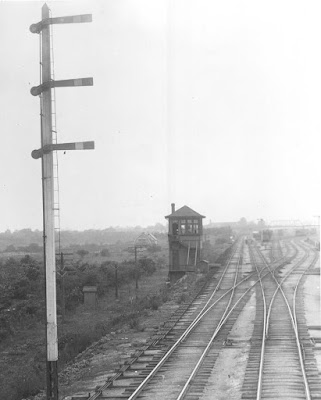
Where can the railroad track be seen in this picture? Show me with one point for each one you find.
(155, 369)
(277, 366)
(179, 361)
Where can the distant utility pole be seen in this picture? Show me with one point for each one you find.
(62, 273)
(142, 241)
(45, 153)
(116, 280)
(136, 268)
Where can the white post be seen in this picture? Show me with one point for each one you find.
(48, 198)
(48, 217)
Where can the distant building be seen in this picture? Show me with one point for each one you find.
(90, 296)
(145, 239)
(185, 235)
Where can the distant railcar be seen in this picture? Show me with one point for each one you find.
(266, 235)
(256, 235)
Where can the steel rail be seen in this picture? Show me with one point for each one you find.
(316, 256)
(97, 394)
(204, 354)
(201, 314)
(183, 392)
(197, 319)
(260, 380)
(279, 284)
(221, 323)
(264, 337)
(295, 328)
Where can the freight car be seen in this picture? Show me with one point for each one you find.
(256, 235)
(266, 235)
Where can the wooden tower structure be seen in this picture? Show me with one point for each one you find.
(185, 233)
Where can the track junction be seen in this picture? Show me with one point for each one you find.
(180, 362)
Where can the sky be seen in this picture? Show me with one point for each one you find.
(206, 103)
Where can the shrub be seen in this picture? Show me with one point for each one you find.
(28, 383)
(5, 327)
(105, 253)
(30, 307)
(12, 262)
(221, 240)
(5, 302)
(155, 302)
(32, 273)
(101, 329)
(73, 298)
(74, 343)
(91, 278)
(182, 298)
(134, 323)
(10, 249)
(21, 288)
(27, 260)
(82, 253)
(148, 265)
(34, 248)
(154, 249)
(4, 334)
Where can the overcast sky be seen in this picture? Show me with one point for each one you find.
(213, 104)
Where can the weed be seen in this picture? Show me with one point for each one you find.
(101, 329)
(134, 323)
(182, 298)
(73, 344)
(28, 383)
(155, 302)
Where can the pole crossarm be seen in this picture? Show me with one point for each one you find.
(38, 27)
(36, 90)
(62, 146)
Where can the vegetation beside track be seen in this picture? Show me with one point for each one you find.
(22, 308)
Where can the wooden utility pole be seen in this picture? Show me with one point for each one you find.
(62, 275)
(116, 280)
(136, 269)
(48, 218)
(45, 153)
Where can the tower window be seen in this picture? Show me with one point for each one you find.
(175, 228)
(183, 226)
(195, 227)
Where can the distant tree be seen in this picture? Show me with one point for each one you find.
(32, 273)
(154, 249)
(221, 240)
(82, 253)
(91, 278)
(10, 249)
(34, 248)
(243, 221)
(27, 260)
(12, 262)
(21, 288)
(148, 265)
(261, 223)
(105, 253)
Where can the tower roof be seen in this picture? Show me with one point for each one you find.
(185, 211)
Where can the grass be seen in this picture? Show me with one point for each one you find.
(82, 328)
(25, 351)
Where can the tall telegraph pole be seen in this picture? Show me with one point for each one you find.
(48, 217)
(46, 154)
